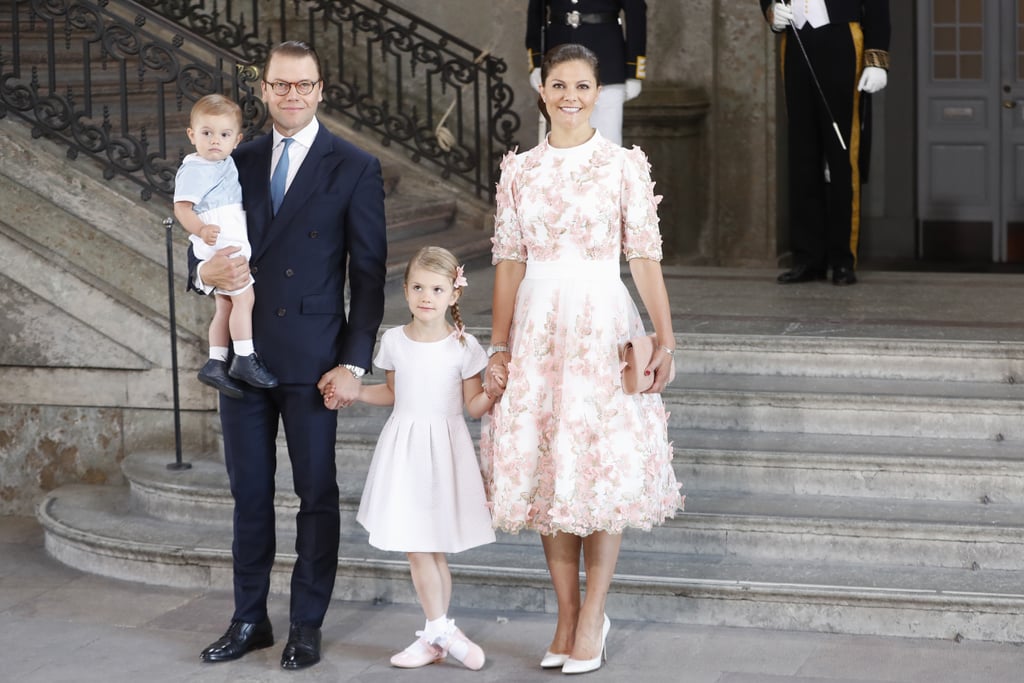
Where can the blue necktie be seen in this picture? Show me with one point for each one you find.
(280, 177)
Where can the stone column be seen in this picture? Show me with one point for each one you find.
(667, 122)
(743, 136)
(725, 49)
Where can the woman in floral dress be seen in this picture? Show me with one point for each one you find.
(565, 451)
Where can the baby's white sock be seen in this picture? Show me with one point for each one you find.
(244, 347)
(219, 353)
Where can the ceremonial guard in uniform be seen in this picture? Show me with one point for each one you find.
(833, 51)
(614, 30)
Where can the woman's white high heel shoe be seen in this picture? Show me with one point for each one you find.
(553, 660)
(582, 666)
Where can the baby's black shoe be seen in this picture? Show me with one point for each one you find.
(251, 370)
(215, 374)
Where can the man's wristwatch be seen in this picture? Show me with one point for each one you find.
(356, 371)
(496, 348)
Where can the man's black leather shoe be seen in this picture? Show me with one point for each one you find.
(843, 276)
(303, 648)
(240, 638)
(801, 274)
(215, 374)
(251, 370)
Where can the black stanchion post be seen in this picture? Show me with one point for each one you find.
(177, 464)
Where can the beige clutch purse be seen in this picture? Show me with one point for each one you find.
(635, 354)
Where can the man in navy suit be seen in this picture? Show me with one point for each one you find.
(330, 219)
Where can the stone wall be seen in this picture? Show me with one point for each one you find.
(85, 355)
(712, 62)
(43, 447)
(85, 372)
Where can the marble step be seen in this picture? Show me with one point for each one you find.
(905, 393)
(792, 463)
(96, 529)
(411, 217)
(870, 467)
(965, 412)
(467, 242)
(71, 245)
(830, 405)
(850, 357)
(716, 522)
(865, 358)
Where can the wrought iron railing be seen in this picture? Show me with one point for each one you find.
(114, 83)
(404, 79)
(115, 80)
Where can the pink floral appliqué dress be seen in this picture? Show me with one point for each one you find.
(565, 450)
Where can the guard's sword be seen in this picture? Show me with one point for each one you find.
(814, 77)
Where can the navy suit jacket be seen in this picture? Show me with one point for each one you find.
(331, 219)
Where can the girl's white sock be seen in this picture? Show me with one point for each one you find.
(219, 353)
(436, 629)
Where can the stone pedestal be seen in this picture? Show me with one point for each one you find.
(667, 122)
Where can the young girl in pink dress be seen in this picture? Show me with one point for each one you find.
(424, 494)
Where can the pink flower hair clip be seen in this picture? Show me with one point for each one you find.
(460, 278)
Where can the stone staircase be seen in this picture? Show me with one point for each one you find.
(840, 485)
(85, 355)
(871, 486)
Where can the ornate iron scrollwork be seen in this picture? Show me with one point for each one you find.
(112, 84)
(386, 70)
(118, 78)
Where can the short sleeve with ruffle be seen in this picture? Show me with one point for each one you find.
(385, 356)
(474, 358)
(508, 244)
(641, 237)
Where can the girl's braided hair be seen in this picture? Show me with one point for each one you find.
(441, 261)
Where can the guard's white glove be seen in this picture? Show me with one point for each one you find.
(633, 87)
(873, 79)
(781, 15)
(535, 79)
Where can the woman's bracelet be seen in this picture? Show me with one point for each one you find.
(667, 350)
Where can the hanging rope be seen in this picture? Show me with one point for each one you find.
(445, 137)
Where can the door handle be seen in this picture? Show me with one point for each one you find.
(1009, 104)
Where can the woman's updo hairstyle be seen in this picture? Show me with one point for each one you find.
(560, 54)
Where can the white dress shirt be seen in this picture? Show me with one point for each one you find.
(297, 151)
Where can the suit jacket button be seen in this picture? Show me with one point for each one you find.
(313, 234)
(281, 312)
(254, 269)
(289, 272)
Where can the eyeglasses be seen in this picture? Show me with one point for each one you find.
(282, 88)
